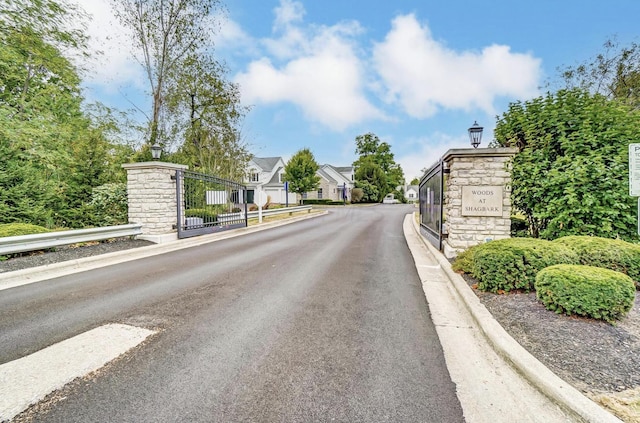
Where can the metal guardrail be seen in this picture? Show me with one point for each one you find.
(23, 243)
(275, 212)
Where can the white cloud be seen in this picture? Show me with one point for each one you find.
(321, 71)
(115, 66)
(423, 75)
(426, 151)
(288, 13)
(232, 36)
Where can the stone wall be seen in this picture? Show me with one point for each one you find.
(477, 197)
(151, 193)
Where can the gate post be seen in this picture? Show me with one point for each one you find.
(477, 197)
(151, 195)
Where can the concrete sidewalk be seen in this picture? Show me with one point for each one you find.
(497, 379)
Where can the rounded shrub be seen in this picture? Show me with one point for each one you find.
(513, 263)
(586, 291)
(18, 229)
(464, 261)
(613, 254)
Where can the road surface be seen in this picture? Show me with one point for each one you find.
(318, 321)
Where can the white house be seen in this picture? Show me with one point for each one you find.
(334, 183)
(411, 193)
(267, 172)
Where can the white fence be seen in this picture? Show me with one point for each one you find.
(275, 212)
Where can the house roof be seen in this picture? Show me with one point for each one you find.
(342, 169)
(266, 163)
(275, 179)
(413, 187)
(326, 176)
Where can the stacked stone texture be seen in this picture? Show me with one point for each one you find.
(467, 231)
(151, 195)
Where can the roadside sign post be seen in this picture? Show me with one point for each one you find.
(634, 175)
(286, 193)
(262, 201)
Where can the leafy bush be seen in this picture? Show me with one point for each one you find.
(586, 291)
(519, 227)
(357, 194)
(570, 175)
(18, 229)
(613, 254)
(513, 263)
(208, 215)
(464, 261)
(109, 204)
(317, 201)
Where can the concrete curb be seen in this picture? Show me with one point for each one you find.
(56, 270)
(543, 379)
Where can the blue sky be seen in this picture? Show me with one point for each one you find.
(417, 74)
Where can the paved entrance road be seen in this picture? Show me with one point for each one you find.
(318, 321)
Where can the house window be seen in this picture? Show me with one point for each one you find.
(255, 177)
(280, 177)
(304, 195)
(319, 193)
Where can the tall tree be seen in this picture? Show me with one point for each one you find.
(372, 180)
(570, 176)
(371, 150)
(207, 114)
(166, 33)
(300, 172)
(613, 73)
(51, 154)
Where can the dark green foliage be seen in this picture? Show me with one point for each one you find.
(519, 227)
(613, 254)
(464, 261)
(318, 201)
(18, 229)
(586, 291)
(109, 204)
(570, 176)
(376, 171)
(208, 215)
(52, 153)
(300, 172)
(513, 263)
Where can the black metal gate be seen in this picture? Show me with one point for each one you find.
(207, 204)
(431, 204)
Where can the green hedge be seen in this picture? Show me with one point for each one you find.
(613, 254)
(464, 261)
(586, 291)
(207, 215)
(513, 263)
(17, 229)
(317, 201)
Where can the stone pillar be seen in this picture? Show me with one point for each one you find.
(477, 197)
(151, 194)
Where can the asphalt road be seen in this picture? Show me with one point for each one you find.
(318, 321)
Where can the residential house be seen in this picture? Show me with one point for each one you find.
(411, 193)
(268, 173)
(334, 183)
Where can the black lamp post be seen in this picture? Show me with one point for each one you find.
(156, 151)
(475, 134)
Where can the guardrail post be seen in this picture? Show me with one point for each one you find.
(151, 192)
